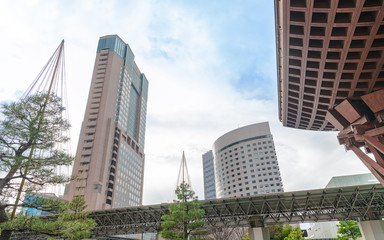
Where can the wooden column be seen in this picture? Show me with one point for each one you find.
(361, 125)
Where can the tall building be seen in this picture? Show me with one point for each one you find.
(209, 176)
(244, 163)
(109, 162)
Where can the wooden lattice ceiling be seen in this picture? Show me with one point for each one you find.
(328, 51)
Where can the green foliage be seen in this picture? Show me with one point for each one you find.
(185, 216)
(295, 234)
(279, 231)
(30, 131)
(72, 223)
(22, 130)
(284, 232)
(348, 229)
(43, 203)
(246, 237)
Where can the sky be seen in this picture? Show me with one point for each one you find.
(211, 67)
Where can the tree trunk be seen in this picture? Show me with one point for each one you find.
(3, 214)
(6, 234)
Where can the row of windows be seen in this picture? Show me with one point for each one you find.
(250, 165)
(254, 181)
(254, 186)
(226, 181)
(257, 192)
(248, 150)
(237, 170)
(250, 162)
(248, 146)
(122, 100)
(82, 171)
(245, 140)
(249, 156)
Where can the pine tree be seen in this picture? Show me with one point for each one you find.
(185, 216)
(28, 141)
(72, 222)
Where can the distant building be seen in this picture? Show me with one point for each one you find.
(352, 180)
(244, 163)
(32, 201)
(328, 230)
(109, 163)
(209, 176)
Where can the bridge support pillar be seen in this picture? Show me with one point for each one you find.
(258, 231)
(372, 230)
(158, 237)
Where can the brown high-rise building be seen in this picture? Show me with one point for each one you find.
(109, 161)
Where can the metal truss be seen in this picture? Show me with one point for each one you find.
(357, 202)
(363, 202)
(129, 220)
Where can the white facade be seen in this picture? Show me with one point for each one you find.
(245, 162)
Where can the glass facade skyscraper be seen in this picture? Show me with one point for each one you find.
(209, 176)
(109, 164)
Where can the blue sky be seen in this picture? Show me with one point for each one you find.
(211, 68)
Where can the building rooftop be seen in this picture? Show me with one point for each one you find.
(352, 180)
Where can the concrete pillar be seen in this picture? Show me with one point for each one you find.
(158, 237)
(258, 231)
(372, 230)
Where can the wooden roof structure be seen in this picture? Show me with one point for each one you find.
(327, 51)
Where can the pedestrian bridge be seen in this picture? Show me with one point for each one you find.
(365, 203)
(358, 202)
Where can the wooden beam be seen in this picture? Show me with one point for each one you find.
(336, 119)
(378, 145)
(378, 155)
(375, 168)
(375, 132)
(375, 100)
(351, 110)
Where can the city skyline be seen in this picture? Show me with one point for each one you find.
(220, 67)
